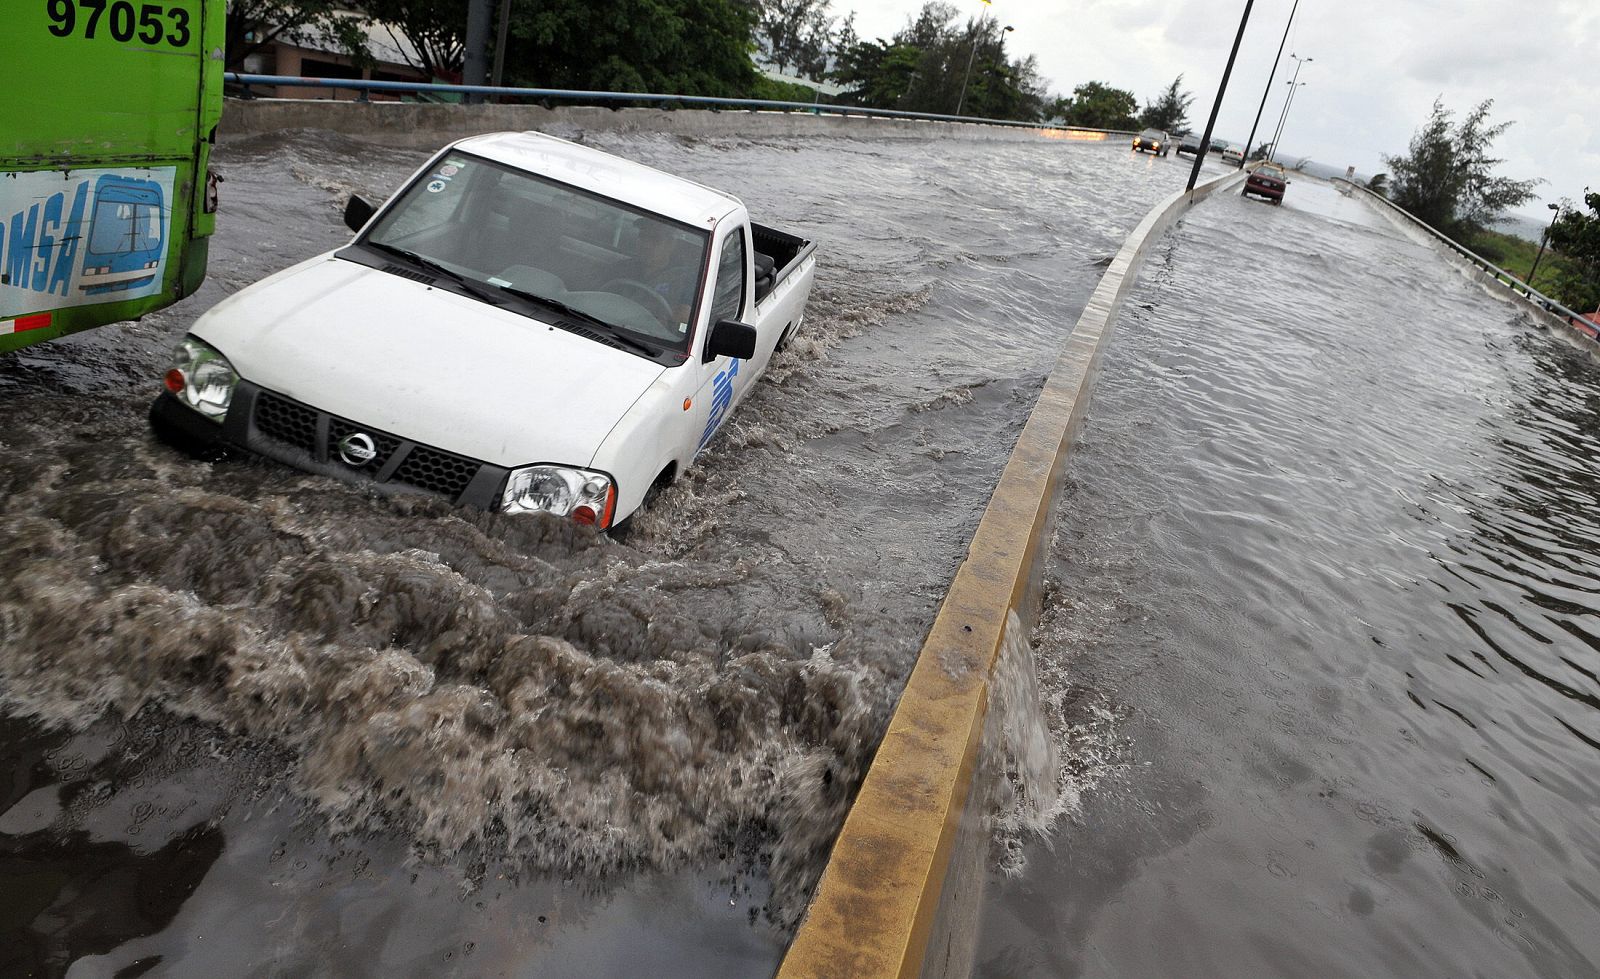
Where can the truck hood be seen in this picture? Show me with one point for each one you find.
(426, 364)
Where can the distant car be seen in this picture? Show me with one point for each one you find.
(1189, 144)
(1267, 182)
(1232, 154)
(1218, 145)
(1152, 141)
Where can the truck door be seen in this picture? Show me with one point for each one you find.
(723, 380)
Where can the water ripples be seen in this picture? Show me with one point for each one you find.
(1358, 635)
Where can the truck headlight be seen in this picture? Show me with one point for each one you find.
(201, 378)
(587, 497)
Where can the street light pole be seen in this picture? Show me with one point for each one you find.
(1545, 238)
(1271, 76)
(475, 70)
(972, 53)
(1288, 104)
(497, 76)
(1300, 62)
(1211, 123)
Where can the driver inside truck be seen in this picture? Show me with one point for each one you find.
(669, 268)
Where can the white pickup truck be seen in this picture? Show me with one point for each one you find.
(528, 325)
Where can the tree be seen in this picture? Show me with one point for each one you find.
(925, 65)
(1446, 177)
(685, 47)
(876, 73)
(1096, 105)
(251, 25)
(1576, 236)
(1170, 111)
(1379, 184)
(436, 29)
(797, 34)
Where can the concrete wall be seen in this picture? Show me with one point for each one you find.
(902, 889)
(421, 126)
(1425, 234)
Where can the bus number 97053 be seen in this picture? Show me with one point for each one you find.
(152, 24)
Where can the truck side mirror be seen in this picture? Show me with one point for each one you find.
(357, 212)
(731, 338)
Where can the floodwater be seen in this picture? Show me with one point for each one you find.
(1327, 571)
(262, 723)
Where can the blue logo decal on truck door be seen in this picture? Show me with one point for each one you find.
(721, 398)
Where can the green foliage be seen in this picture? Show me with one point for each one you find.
(685, 47)
(776, 91)
(926, 66)
(1576, 236)
(1516, 255)
(253, 24)
(1170, 111)
(436, 29)
(1096, 105)
(1446, 177)
(878, 73)
(1379, 184)
(796, 35)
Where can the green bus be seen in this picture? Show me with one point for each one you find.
(106, 200)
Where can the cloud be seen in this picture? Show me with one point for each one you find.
(1474, 59)
(1379, 65)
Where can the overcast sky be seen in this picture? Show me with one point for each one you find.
(1377, 68)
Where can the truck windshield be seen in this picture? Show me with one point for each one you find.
(636, 272)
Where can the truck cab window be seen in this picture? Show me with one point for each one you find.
(729, 298)
(499, 227)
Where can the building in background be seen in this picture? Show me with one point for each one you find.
(313, 54)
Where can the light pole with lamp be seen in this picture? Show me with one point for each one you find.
(973, 53)
(1287, 105)
(1284, 115)
(1268, 90)
(1544, 239)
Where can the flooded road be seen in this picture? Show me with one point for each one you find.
(1324, 624)
(261, 723)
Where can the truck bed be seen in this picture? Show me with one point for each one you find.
(778, 253)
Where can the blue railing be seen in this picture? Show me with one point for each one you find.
(654, 98)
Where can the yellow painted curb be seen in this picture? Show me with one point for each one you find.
(878, 905)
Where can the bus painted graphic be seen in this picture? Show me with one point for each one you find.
(82, 237)
(126, 236)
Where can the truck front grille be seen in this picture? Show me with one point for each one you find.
(397, 461)
(435, 471)
(287, 421)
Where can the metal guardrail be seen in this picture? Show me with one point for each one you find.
(576, 95)
(1507, 279)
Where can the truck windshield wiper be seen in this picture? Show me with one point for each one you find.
(611, 329)
(472, 286)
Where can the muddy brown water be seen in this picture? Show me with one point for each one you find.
(262, 723)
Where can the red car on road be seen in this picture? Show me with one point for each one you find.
(1267, 181)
